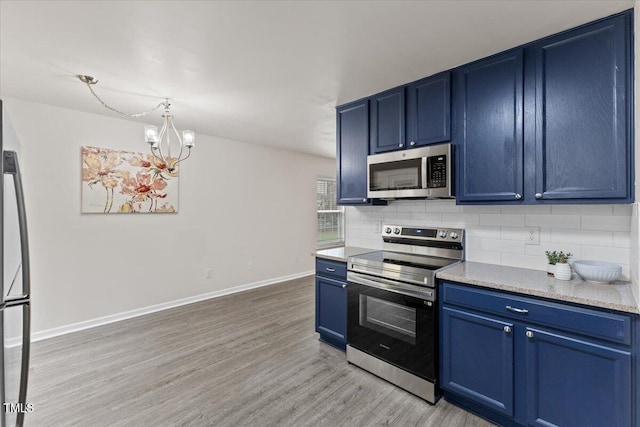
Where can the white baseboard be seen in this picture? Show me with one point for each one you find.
(75, 327)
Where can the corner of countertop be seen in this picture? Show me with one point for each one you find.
(342, 253)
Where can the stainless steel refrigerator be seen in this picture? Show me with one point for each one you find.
(16, 298)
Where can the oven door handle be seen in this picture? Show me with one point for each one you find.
(391, 286)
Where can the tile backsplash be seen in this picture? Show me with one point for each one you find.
(498, 234)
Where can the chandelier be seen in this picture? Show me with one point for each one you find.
(167, 146)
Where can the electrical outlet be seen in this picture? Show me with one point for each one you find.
(532, 236)
(295, 259)
(378, 227)
(208, 273)
(250, 266)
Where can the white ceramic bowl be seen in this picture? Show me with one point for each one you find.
(597, 271)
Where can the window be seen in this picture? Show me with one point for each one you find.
(330, 215)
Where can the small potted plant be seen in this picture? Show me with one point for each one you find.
(553, 258)
(563, 269)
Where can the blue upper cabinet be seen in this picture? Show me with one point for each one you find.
(583, 135)
(550, 122)
(351, 152)
(412, 116)
(489, 129)
(387, 121)
(429, 110)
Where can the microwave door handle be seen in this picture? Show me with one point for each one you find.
(425, 172)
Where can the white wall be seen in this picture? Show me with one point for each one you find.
(239, 203)
(497, 234)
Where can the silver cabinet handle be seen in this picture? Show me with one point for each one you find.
(507, 329)
(330, 269)
(529, 334)
(364, 200)
(400, 145)
(412, 143)
(517, 310)
(538, 195)
(344, 286)
(518, 196)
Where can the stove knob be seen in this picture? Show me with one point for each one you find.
(453, 235)
(387, 230)
(443, 234)
(396, 231)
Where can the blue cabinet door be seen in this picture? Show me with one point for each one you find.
(575, 383)
(429, 110)
(583, 104)
(489, 129)
(331, 310)
(387, 121)
(477, 359)
(351, 152)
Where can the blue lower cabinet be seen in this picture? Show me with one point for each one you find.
(572, 382)
(478, 359)
(331, 311)
(536, 364)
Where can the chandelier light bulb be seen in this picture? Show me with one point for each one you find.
(151, 134)
(188, 138)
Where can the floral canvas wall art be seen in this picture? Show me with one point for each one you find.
(116, 181)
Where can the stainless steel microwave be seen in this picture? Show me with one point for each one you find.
(411, 174)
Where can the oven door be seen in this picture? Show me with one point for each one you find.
(393, 321)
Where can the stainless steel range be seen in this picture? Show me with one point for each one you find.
(392, 319)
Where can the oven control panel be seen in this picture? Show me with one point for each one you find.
(423, 233)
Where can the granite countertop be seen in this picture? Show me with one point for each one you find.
(342, 253)
(615, 296)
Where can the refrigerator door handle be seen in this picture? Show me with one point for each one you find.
(11, 166)
(10, 163)
(24, 365)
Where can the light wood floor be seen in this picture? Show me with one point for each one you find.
(249, 359)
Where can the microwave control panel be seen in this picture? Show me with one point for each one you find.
(437, 171)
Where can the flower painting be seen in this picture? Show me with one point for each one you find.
(126, 182)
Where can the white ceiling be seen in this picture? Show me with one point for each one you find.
(265, 72)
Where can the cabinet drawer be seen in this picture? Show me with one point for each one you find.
(594, 323)
(333, 269)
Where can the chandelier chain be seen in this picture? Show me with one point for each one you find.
(164, 103)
